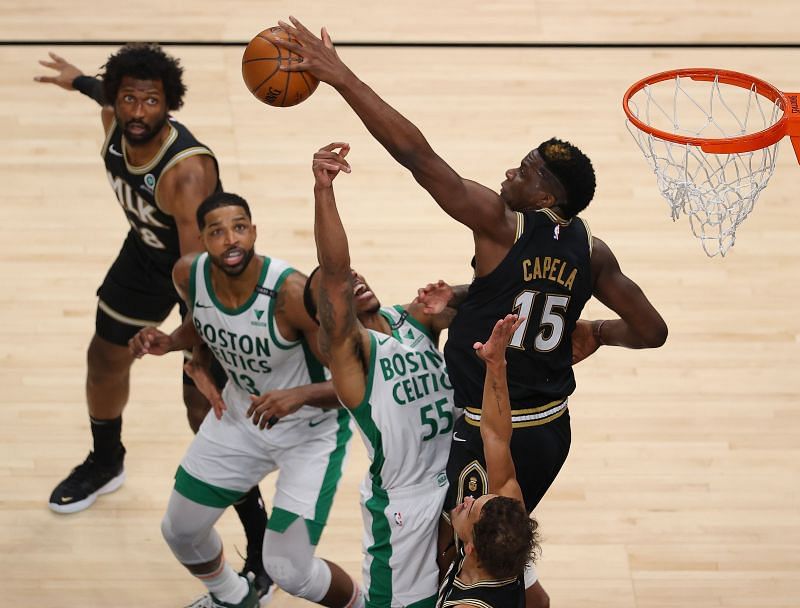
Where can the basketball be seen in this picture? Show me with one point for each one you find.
(261, 71)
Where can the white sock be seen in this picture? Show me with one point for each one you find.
(225, 584)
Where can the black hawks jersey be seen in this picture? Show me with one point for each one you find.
(546, 278)
(136, 187)
(505, 593)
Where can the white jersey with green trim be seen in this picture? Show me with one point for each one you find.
(247, 342)
(406, 417)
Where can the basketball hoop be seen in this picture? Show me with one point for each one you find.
(711, 137)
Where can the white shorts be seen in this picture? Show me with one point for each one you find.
(400, 529)
(229, 456)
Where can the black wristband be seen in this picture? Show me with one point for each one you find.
(91, 87)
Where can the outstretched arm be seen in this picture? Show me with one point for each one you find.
(70, 78)
(468, 202)
(343, 340)
(496, 410)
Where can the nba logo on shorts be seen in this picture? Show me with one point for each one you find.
(398, 519)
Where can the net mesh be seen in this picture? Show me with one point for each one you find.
(716, 191)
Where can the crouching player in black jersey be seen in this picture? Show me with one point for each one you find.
(533, 256)
(160, 174)
(497, 536)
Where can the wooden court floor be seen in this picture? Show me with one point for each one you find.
(683, 484)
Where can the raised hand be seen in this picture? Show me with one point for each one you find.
(434, 297)
(328, 161)
(319, 55)
(493, 351)
(265, 410)
(150, 341)
(66, 72)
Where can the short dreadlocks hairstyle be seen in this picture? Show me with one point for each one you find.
(574, 170)
(217, 200)
(505, 537)
(144, 62)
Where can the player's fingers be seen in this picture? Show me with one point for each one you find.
(57, 58)
(272, 422)
(287, 44)
(50, 79)
(289, 29)
(297, 66)
(326, 38)
(334, 145)
(331, 166)
(300, 27)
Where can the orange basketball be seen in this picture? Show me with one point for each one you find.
(261, 64)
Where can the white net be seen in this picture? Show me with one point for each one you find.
(716, 191)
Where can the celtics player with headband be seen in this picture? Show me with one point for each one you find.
(388, 372)
(248, 310)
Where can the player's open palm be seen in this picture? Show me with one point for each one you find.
(319, 55)
(150, 341)
(328, 162)
(434, 297)
(493, 351)
(66, 72)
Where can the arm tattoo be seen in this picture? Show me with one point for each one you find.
(327, 320)
(498, 395)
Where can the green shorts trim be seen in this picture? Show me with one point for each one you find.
(281, 519)
(204, 493)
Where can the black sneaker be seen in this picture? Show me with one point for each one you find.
(253, 571)
(85, 483)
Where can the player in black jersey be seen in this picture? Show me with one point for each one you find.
(160, 174)
(498, 537)
(532, 256)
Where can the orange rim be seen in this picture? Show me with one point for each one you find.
(725, 145)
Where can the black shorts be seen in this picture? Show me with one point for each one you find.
(538, 453)
(138, 292)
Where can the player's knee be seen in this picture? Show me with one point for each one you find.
(171, 533)
(105, 359)
(181, 536)
(309, 580)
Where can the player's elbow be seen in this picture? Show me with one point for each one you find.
(656, 335)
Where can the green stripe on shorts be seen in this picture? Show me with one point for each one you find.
(204, 493)
(334, 471)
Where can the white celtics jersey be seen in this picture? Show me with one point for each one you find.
(247, 342)
(406, 417)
